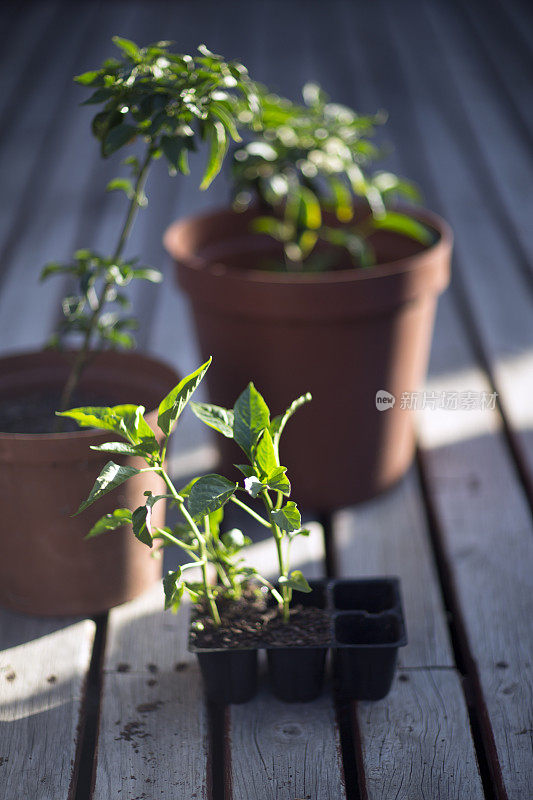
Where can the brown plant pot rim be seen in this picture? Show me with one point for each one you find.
(336, 293)
(152, 376)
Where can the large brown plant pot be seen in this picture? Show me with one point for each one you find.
(46, 566)
(343, 335)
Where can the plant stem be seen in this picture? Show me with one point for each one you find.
(251, 512)
(203, 548)
(82, 355)
(278, 538)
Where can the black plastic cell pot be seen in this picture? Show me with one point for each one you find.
(366, 650)
(296, 673)
(366, 629)
(230, 676)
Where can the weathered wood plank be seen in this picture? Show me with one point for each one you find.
(508, 56)
(50, 193)
(277, 750)
(42, 676)
(487, 542)
(389, 536)
(153, 733)
(25, 169)
(488, 547)
(422, 724)
(283, 751)
(498, 297)
(487, 117)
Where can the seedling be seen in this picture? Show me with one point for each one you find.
(167, 103)
(200, 503)
(314, 157)
(250, 426)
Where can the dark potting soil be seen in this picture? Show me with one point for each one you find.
(249, 623)
(35, 412)
(242, 623)
(308, 626)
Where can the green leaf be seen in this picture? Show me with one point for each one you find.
(218, 142)
(278, 423)
(185, 492)
(227, 120)
(174, 148)
(265, 456)
(209, 494)
(407, 226)
(288, 518)
(110, 522)
(173, 589)
(121, 185)
(251, 417)
(117, 138)
(312, 216)
(343, 199)
(140, 520)
(116, 418)
(300, 532)
(246, 470)
(128, 47)
(146, 274)
(215, 520)
(217, 417)
(174, 403)
(51, 269)
(278, 481)
(87, 78)
(277, 228)
(123, 448)
(111, 476)
(296, 581)
(100, 96)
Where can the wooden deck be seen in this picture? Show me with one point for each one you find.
(112, 708)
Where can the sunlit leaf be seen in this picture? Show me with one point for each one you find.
(110, 522)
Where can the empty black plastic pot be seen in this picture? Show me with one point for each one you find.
(296, 673)
(366, 649)
(229, 676)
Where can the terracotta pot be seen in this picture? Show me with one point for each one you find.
(46, 566)
(344, 335)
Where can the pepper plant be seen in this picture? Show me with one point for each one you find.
(308, 158)
(166, 103)
(200, 503)
(258, 435)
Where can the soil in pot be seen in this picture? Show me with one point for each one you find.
(242, 623)
(296, 650)
(227, 654)
(35, 412)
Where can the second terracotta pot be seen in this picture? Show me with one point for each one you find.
(46, 565)
(346, 336)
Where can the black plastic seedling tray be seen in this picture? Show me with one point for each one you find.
(367, 628)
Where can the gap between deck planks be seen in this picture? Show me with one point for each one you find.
(43, 669)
